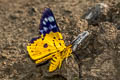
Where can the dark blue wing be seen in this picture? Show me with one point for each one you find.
(48, 22)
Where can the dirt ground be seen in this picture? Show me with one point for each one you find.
(98, 57)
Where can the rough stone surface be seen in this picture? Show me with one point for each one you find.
(97, 58)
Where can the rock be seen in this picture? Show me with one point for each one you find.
(95, 13)
(32, 11)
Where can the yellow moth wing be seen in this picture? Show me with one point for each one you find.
(45, 46)
(54, 62)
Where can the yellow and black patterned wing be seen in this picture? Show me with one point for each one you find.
(50, 40)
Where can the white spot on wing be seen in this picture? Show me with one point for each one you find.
(44, 22)
(46, 19)
(50, 18)
(51, 27)
(54, 26)
(45, 29)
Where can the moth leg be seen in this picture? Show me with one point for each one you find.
(67, 58)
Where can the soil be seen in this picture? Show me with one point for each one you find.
(97, 58)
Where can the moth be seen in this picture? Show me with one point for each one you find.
(49, 45)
